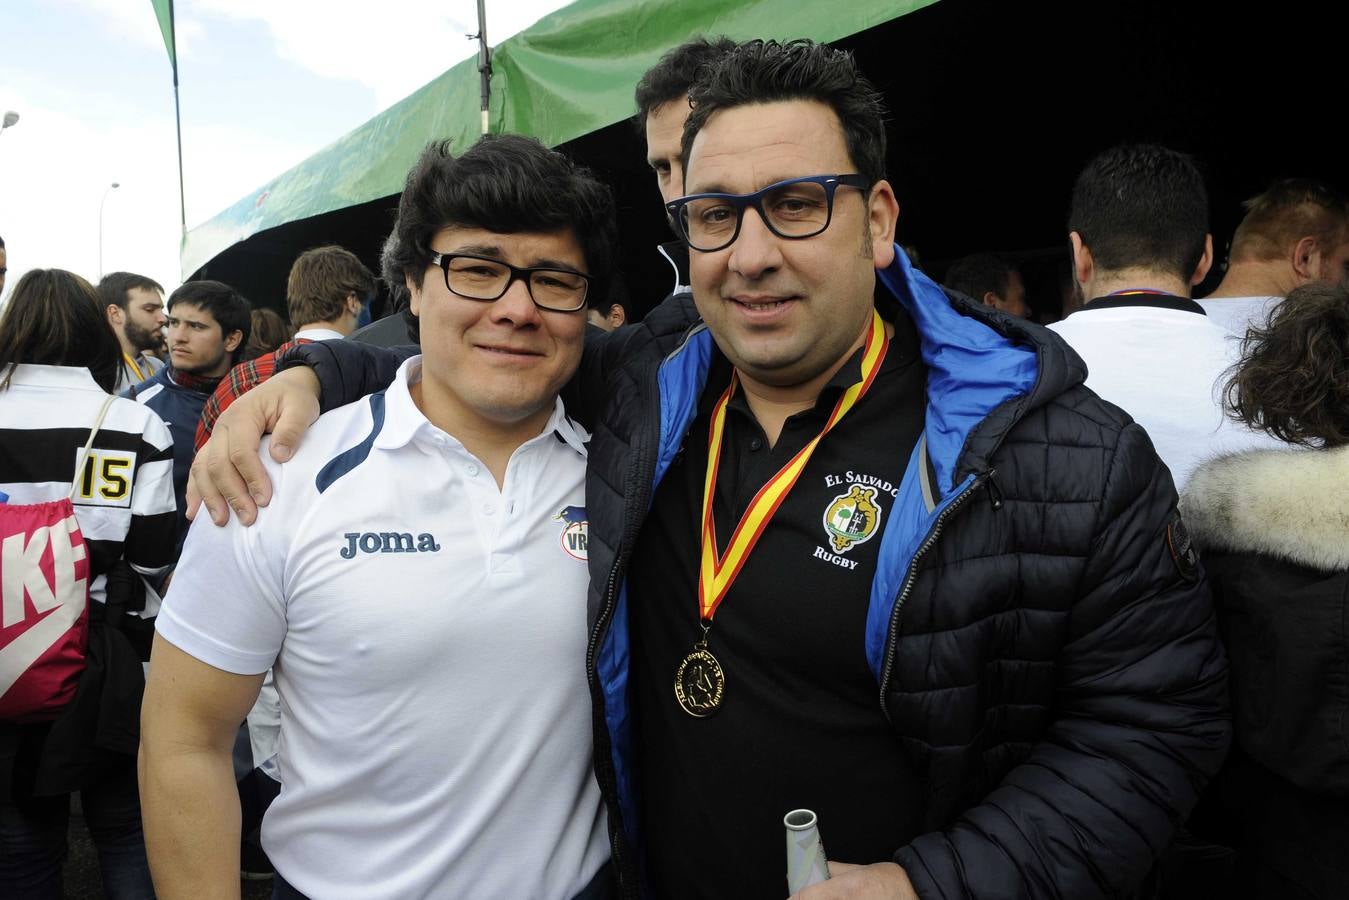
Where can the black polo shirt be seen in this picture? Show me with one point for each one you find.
(800, 723)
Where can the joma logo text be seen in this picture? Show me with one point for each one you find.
(387, 542)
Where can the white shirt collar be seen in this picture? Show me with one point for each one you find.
(55, 376)
(403, 421)
(318, 334)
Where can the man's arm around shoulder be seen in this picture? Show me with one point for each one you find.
(346, 370)
(189, 800)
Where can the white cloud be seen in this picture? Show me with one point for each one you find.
(135, 20)
(53, 220)
(393, 47)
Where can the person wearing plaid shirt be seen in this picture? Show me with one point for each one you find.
(325, 292)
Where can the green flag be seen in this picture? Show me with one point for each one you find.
(164, 12)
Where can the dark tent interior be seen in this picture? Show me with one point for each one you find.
(994, 108)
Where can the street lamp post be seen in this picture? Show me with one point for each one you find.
(108, 191)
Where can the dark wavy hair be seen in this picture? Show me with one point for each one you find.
(770, 72)
(505, 183)
(671, 77)
(1293, 377)
(54, 318)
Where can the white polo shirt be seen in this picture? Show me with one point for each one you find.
(428, 632)
(1163, 362)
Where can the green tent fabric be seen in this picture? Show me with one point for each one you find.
(567, 75)
(164, 13)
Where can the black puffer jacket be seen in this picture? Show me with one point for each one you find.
(1051, 668)
(1274, 530)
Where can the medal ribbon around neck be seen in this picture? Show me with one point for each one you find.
(715, 575)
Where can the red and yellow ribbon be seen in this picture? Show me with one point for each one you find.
(717, 573)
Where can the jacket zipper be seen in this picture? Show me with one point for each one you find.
(892, 638)
(604, 772)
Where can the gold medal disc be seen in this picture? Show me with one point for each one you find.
(699, 683)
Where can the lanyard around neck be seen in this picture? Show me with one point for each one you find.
(716, 573)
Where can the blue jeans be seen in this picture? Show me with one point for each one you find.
(33, 841)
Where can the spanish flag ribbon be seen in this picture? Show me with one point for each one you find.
(717, 573)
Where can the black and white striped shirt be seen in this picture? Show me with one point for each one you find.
(124, 503)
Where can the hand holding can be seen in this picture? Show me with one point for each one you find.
(806, 862)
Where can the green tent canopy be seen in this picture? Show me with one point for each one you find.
(569, 74)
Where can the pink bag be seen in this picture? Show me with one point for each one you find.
(44, 603)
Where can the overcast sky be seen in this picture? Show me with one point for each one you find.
(263, 84)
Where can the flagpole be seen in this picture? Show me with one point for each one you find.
(484, 64)
(178, 121)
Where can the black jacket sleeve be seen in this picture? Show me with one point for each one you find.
(347, 370)
(607, 351)
(1141, 720)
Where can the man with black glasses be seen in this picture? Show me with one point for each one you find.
(426, 655)
(877, 553)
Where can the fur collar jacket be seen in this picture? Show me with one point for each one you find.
(1290, 504)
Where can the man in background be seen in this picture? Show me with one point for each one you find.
(991, 280)
(1294, 233)
(325, 292)
(662, 98)
(208, 324)
(1140, 241)
(135, 309)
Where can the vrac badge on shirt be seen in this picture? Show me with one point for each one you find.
(852, 518)
(573, 531)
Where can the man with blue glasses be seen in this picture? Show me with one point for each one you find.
(874, 552)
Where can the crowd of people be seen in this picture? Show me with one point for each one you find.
(544, 602)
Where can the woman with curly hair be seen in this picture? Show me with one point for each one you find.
(1273, 529)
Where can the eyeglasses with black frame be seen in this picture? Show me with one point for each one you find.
(794, 209)
(484, 278)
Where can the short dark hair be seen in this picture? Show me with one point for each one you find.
(54, 318)
(671, 77)
(979, 273)
(113, 287)
(320, 281)
(505, 183)
(226, 305)
(1142, 205)
(1286, 212)
(1292, 381)
(769, 72)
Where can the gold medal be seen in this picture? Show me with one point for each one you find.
(699, 682)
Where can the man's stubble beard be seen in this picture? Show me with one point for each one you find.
(143, 338)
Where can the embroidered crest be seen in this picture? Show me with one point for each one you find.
(573, 531)
(852, 518)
